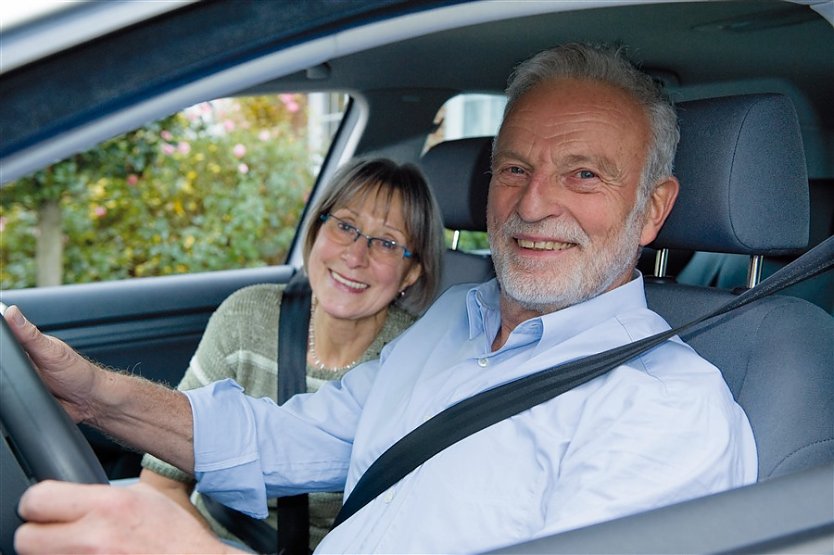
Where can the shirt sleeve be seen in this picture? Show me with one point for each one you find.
(247, 449)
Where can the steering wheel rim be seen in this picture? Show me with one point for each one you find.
(39, 441)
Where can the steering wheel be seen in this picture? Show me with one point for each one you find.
(38, 440)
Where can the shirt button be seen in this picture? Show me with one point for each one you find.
(388, 496)
(482, 362)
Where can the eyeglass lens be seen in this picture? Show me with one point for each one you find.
(346, 233)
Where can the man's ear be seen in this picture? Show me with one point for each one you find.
(657, 210)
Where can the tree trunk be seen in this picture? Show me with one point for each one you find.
(49, 257)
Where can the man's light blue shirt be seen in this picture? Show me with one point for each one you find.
(662, 428)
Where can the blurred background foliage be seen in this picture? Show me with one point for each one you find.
(220, 185)
(469, 241)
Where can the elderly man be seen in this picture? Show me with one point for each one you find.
(581, 180)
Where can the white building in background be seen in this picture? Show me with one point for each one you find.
(466, 115)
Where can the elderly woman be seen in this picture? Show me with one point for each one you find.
(372, 255)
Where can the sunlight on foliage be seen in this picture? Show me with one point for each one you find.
(220, 185)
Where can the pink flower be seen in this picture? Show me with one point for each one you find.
(100, 211)
(228, 125)
(168, 149)
(166, 135)
(184, 147)
(264, 135)
(132, 179)
(243, 168)
(289, 102)
(239, 150)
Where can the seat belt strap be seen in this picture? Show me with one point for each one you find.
(293, 324)
(493, 405)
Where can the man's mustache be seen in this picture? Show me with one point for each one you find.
(561, 229)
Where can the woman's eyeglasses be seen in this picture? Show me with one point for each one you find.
(341, 232)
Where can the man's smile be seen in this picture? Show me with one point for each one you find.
(544, 245)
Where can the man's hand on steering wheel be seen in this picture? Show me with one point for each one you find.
(69, 377)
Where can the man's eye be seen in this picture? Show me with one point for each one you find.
(515, 170)
(586, 174)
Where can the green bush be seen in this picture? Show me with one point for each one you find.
(468, 240)
(217, 186)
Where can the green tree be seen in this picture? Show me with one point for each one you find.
(218, 186)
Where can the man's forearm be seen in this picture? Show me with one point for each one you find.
(146, 416)
(140, 413)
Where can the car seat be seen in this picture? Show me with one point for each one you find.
(458, 172)
(730, 271)
(744, 191)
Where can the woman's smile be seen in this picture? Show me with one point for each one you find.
(351, 284)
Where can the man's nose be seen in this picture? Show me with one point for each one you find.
(540, 199)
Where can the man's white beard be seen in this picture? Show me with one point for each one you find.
(602, 265)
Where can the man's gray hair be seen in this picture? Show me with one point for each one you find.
(608, 65)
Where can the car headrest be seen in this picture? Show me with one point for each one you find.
(458, 172)
(743, 181)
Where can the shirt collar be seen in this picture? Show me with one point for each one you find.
(484, 314)
(482, 307)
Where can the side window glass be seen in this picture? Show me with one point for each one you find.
(219, 185)
(468, 115)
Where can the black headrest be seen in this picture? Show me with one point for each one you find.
(744, 185)
(458, 172)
